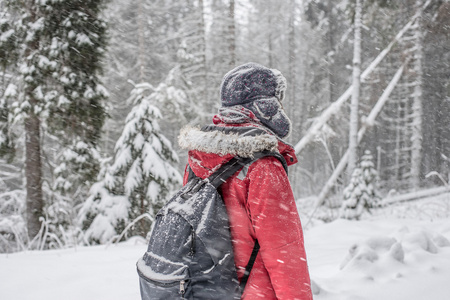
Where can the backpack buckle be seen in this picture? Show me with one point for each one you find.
(194, 187)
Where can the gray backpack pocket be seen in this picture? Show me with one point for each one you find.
(160, 278)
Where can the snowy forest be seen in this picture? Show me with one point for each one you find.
(93, 95)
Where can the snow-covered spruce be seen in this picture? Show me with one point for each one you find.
(52, 51)
(361, 193)
(140, 177)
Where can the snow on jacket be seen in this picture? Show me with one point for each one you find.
(261, 206)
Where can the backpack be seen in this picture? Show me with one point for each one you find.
(190, 254)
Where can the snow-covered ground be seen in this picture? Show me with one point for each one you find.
(380, 259)
(401, 252)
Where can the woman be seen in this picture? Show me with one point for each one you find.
(259, 198)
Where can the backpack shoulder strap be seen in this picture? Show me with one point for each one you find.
(226, 171)
(191, 174)
(249, 267)
(236, 163)
(277, 155)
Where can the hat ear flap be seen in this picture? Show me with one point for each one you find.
(272, 115)
(265, 108)
(281, 97)
(281, 84)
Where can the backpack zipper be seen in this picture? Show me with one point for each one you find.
(182, 288)
(163, 284)
(192, 248)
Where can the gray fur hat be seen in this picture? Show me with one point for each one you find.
(260, 90)
(250, 82)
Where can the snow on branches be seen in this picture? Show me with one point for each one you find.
(141, 175)
(361, 193)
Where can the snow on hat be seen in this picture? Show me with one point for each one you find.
(260, 90)
(250, 82)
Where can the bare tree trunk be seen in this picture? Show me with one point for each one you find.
(141, 62)
(33, 173)
(353, 135)
(331, 48)
(232, 35)
(417, 112)
(202, 32)
(292, 67)
(398, 134)
(270, 41)
(141, 39)
(33, 163)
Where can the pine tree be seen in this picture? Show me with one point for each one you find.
(8, 52)
(78, 44)
(141, 175)
(436, 91)
(103, 215)
(76, 173)
(7, 147)
(58, 56)
(79, 108)
(361, 193)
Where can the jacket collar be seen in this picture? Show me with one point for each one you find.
(231, 140)
(223, 141)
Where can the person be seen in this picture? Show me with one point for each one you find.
(259, 199)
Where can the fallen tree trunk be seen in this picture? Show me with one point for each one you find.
(367, 123)
(335, 106)
(416, 195)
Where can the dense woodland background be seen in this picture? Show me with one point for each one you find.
(94, 93)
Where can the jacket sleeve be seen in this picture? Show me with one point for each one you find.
(277, 227)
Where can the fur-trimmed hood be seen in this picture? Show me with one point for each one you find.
(227, 140)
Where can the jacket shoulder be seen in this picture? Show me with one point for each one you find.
(263, 167)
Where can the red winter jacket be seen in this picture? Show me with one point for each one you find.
(261, 206)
